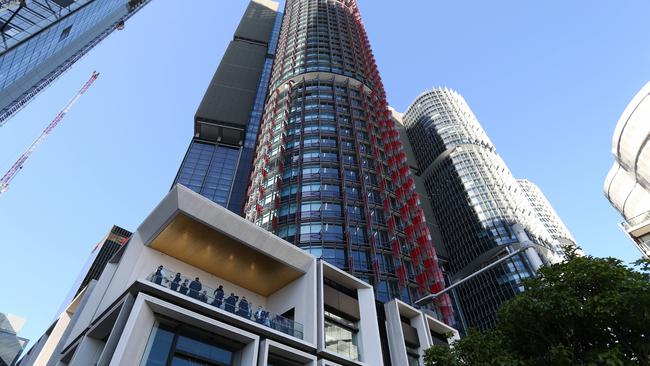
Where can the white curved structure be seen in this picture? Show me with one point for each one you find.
(627, 185)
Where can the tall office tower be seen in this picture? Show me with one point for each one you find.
(482, 213)
(41, 39)
(218, 162)
(11, 345)
(627, 185)
(330, 174)
(547, 215)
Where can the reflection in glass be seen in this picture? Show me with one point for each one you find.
(341, 336)
(176, 344)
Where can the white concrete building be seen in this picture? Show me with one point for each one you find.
(627, 185)
(147, 307)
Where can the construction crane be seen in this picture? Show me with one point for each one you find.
(18, 165)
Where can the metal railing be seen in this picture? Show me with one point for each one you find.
(225, 300)
(636, 220)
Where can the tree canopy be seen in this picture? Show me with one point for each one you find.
(583, 311)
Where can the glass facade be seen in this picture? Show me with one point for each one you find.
(209, 169)
(476, 203)
(279, 361)
(341, 336)
(43, 38)
(238, 198)
(547, 215)
(173, 344)
(226, 184)
(330, 174)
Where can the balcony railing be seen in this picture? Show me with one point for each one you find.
(225, 300)
(635, 221)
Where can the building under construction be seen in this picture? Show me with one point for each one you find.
(41, 39)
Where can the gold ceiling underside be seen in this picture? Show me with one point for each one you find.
(197, 244)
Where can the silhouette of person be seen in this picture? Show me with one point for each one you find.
(218, 296)
(203, 296)
(230, 303)
(158, 276)
(243, 308)
(184, 287)
(259, 315)
(195, 288)
(176, 282)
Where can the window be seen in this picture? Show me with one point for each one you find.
(65, 33)
(358, 235)
(281, 361)
(413, 359)
(176, 344)
(317, 231)
(287, 232)
(287, 209)
(335, 256)
(362, 260)
(64, 3)
(341, 336)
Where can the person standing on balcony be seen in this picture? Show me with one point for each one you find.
(203, 296)
(243, 308)
(230, 302)
(261, 316)
(176, 282)
(195, 288)
(218, 297)
(158, 276)
(184, 287)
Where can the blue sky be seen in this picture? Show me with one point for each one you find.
(547, 79)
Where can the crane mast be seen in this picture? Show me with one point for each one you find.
(18, 165)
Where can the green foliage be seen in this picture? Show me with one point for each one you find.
(584, 311)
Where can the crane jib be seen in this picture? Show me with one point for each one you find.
(18, 165)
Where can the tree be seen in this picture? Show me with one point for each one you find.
(583, 311)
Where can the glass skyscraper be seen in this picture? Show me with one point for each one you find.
(218, 162)
(479, 207)
(41, 39)
(330, 174)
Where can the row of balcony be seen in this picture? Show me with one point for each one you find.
(232, 303)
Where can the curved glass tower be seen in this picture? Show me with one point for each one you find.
(480, 208)
(330, 174)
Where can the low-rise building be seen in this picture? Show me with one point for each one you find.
(198, 285)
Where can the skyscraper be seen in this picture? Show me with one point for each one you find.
(41, 39)
(627, 185)
(546, 213)
(330, 174)
(481, 211)
(218, 162)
